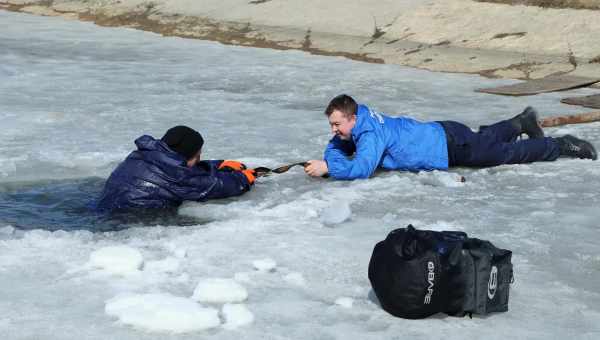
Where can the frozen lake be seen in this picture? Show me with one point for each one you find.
(74, 96)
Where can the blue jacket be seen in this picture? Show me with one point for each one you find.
(392, 143)
(154, 176)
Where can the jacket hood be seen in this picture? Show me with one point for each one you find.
(148, 143)
(364, 122)
(157, 151)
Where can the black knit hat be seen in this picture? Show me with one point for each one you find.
(183, 140)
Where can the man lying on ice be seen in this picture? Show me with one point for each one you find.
(162, 173)
(366, 140)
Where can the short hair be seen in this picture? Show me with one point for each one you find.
(343, 103)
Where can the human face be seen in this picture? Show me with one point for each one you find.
(341, 125)
(194, 160)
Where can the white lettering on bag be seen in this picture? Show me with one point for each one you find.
(493, 282)
(430, 280)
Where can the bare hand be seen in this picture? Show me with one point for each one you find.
(316, 168)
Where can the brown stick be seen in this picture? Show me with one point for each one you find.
(262, 171)
(571, 119)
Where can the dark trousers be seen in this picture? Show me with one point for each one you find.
(494, 145)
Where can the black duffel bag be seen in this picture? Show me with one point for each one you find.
(418, 273)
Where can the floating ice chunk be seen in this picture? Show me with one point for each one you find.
(236, 315)
(345, 302)
(264, 265)
(167, 265)
(295, 279)
(336, 213)
(117, 259)
(162, 313)
(219, 291)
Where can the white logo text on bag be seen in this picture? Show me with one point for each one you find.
(430, 281)
(493, 282)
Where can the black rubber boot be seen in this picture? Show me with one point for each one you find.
(527, 122)
(571, 146)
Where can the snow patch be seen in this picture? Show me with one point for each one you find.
(345, 302)
(162, 313)
(215, 290)
(117, 259)
(264, 265)
(236, 315)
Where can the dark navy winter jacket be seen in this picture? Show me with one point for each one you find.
(392, 143)
(154, 176)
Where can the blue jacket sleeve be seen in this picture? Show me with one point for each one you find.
(211, 183)
(369, 150)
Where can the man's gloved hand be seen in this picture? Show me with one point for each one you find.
(250, 175)
(232, 165)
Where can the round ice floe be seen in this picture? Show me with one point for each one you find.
(345, 302)
(162, 313)
(236, 315)
(337, 212)
(117, 259)
(219, 291)
(264, 265)
(295, 279)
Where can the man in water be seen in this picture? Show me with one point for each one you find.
(365, 140)
(164, 173)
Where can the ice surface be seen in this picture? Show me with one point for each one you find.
(117, 259)
(242, 277)
(442, 178)
(166, 265)
(217, 290)
(74, 96)
(162, 312)
(295, 279)
(236, 315)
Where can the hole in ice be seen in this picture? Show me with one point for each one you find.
(68, 205)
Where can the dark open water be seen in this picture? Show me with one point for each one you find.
(68, 205)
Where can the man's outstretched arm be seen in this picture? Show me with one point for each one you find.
(367, 157)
